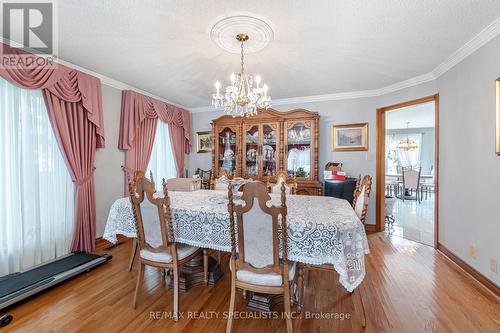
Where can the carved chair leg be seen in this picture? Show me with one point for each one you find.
(358, 306)
(176, 293)
(140, 277)
(133, 254)
(300, 285)
(229, 326)
(205, 266)
(288, 309)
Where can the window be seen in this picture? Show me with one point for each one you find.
(37, 209)
(162, 162)
(397, 158)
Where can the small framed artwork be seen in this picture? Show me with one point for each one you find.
(497, 137)
(350, 137)
(204, 142)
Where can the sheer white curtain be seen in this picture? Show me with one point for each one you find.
(37, 215)
(403, 158)
(162, 162)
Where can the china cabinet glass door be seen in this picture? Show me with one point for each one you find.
(252, 151)
(269, 149)
(299, 149)
(226, 150)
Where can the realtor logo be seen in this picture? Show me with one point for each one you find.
(29, 25)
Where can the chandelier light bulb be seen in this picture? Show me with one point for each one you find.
(217, 86)
(265, 90)
(233, 77)
(257, 80)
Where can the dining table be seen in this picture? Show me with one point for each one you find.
(320, 230)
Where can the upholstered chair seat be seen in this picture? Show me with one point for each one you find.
(265, 279)
(183, 251)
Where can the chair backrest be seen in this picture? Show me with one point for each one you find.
(411, 178)
(257, 231)
(361, 197)
(221, 182)
(183, 184)
(282, 178)
(152, 235)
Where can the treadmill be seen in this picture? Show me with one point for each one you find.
(18, 286)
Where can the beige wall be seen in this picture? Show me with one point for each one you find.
(470, 169)
(109, 181)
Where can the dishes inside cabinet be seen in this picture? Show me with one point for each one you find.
(252, 155)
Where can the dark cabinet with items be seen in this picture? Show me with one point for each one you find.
(342, 189)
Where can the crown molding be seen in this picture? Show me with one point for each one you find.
(479, 40)
(117, 84)
(104, 79)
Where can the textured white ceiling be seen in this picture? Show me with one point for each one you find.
(319, 47)
(419, 116)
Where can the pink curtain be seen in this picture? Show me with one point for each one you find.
(178, 142)
(137, 157)
(74, 105)
(137, 130)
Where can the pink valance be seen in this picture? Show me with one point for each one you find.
(137, 107)
(65, 83)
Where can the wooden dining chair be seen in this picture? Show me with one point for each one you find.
(157, 246)
(411, 182)
(220, 183)
(282, 178)
(255, 257)
(361, 196)
(138, 174)
(205, 177)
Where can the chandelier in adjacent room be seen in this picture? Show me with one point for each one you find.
(407, 143)
(241, 97)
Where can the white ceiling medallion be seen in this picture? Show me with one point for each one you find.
(224, 31)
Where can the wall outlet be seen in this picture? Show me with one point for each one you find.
(472, 251)
(493, 266)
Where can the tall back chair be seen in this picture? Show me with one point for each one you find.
(411, 182)
(205, 176)
(220, 183)
(282, 178)
(255, 258)
(361, 197)
(156, 238)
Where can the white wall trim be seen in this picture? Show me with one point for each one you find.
(117, 84)
(104, 79)
(483, 37)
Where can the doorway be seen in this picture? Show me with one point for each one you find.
(408, 169)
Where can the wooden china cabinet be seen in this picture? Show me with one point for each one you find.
(256, 146)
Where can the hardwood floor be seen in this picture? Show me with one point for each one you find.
(409, 287)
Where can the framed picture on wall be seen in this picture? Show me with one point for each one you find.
(204, 142)
(350, 137)
(497, 87)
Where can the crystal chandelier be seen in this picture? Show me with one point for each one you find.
(407, 143)
(241, 97)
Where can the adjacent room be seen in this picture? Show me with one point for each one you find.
(249, 166)
(410, 159)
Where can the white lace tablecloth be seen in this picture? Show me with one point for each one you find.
(321, 230)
